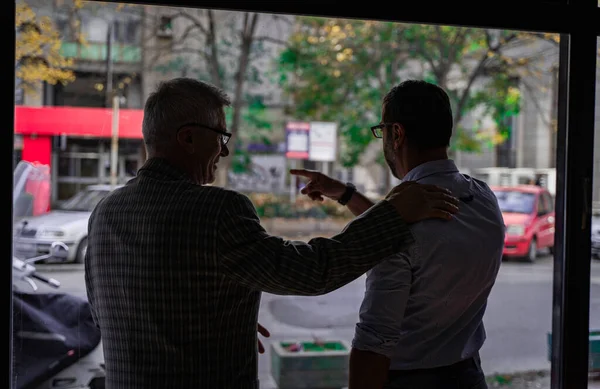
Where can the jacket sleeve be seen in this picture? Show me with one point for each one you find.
(255, 259)
(89, 285)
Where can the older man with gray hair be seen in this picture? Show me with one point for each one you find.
(175, 269)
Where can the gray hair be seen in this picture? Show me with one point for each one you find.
(177, 102)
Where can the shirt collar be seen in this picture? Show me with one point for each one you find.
(160, 168)
(430, 168)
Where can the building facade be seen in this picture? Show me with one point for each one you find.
(129, 50)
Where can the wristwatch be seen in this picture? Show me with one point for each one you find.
(350, 189)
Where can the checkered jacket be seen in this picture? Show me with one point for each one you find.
(174, 272)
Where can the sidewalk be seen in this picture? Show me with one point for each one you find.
(538, 380)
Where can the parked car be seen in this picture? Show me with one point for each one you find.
(68, 224)
(596, 236)
(528, 212)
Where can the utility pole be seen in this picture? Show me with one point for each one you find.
(112, 100)
(109, 66)
(114, 144)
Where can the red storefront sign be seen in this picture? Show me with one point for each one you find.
(75, 121)
(38, 124)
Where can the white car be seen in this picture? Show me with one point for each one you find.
(67, 224)
(596, 236)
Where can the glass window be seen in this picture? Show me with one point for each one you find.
(502, 87)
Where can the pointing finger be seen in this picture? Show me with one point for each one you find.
(303, 173)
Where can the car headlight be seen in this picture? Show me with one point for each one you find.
(51, 233)
(515, 229)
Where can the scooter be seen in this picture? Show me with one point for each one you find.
(56, 343)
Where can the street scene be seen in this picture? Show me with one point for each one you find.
(306, 93)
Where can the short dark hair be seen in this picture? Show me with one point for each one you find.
(424, 110)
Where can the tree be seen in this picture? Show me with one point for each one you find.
(223, 48)
(339, 70)
(38, 57)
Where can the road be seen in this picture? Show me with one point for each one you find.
(517, 320)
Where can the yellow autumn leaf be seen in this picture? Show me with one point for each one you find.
(37, 53)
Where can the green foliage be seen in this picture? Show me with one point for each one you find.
(335, 71)
(257, 128)
(339, 70)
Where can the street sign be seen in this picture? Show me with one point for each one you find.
(297, 140)
(322, 143)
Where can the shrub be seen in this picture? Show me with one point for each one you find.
(272, 206)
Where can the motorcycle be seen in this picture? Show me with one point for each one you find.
(56, 343)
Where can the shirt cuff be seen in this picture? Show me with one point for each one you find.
(366, 339)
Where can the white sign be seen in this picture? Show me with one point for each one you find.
(297, 140)
(323, 141)
(266, 173)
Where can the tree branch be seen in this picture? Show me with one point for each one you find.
(188, 31)
(213, 60)
(195, 21)
(270, 39)
(535, 102)
(465, 93)
(283, 19)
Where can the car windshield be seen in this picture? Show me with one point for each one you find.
(84, 201)
(515, 201)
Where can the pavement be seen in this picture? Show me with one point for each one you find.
(517, 320)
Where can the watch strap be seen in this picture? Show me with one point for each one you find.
(350, 189)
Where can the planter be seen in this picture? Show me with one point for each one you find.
(594, 350)
(321, 365)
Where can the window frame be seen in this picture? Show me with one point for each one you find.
(576, 109)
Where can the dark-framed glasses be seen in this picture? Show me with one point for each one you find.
(225, 136)
(378, 129)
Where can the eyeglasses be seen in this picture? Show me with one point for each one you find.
(225, 136)
(378, 129)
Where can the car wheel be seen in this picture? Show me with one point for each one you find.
(532, 253)
(81, 250)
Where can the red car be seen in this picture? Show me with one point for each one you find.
(528, 212)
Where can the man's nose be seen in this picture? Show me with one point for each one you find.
(224, 150)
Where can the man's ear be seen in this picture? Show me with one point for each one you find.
(398, 135)
(184, 139)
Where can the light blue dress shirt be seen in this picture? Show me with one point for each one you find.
(423, 308)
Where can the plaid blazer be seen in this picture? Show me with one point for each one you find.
(174, 272)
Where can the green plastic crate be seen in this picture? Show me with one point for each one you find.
(594, 350)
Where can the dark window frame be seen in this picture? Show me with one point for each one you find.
(576, 98)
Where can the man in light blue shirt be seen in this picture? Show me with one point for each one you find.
(421, 317)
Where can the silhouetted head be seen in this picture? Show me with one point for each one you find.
(416, 125)
(184, 122)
